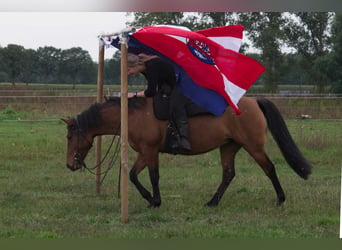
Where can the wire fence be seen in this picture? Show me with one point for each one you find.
(291, 106)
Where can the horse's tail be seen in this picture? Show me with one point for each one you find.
(282, 136)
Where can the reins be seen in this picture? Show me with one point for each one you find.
(110, 163)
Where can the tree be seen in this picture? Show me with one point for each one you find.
(333, 66)
(264, 30)
(112, 68)
(192, 20)
(30, 70)
(14, 63)
(290, 70)
(205, 20)
(155, 18)
(309, 34)
(73, 62)
(47, 61)
(3, 74)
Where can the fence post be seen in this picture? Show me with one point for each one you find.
(99, 100)
(124, 130)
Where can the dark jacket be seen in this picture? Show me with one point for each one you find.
(159, 75)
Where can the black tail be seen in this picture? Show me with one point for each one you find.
(281, 135)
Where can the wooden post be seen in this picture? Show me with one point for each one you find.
(99, 99)
(124, 130)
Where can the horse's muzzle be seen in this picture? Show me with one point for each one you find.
(77, 164)
(72, 167)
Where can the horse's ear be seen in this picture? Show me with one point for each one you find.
(67, 121)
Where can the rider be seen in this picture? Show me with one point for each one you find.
(161, 76)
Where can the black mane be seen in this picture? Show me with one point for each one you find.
(133, 103)
(91, 118)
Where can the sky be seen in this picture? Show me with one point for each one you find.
(62, 30)
(77, 23)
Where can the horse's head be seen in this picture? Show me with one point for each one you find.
(79, 143)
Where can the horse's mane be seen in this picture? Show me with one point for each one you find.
(91, 118)
(133, 103)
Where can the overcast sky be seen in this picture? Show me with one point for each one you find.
(60, 29)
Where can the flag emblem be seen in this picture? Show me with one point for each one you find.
(201, 51)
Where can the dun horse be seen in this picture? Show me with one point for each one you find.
(228, 132)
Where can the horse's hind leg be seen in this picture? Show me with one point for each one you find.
(262, 159)
(228, 152)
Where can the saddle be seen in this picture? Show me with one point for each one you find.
(161, 107)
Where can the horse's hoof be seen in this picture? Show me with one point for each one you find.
(211, 204)
(280, 201)
(154, 205)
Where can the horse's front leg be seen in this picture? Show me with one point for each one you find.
(139, 165)
(154, 177)
(151, 156)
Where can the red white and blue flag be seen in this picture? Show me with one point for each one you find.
(209, 69)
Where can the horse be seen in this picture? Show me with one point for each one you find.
(147, 136)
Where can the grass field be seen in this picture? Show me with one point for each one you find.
(41, 198)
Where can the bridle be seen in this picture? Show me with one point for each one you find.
(80, 133)
(78, 156)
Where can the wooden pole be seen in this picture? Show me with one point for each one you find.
(99, 100)
(124, 131)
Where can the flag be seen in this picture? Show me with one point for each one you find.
(230, 37)
(209, 69)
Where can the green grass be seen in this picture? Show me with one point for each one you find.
(41, 198)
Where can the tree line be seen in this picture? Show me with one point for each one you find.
(46, 65)
(296, 48)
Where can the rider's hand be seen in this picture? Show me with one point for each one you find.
(132, 94)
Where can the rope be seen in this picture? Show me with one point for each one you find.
(111, 162)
